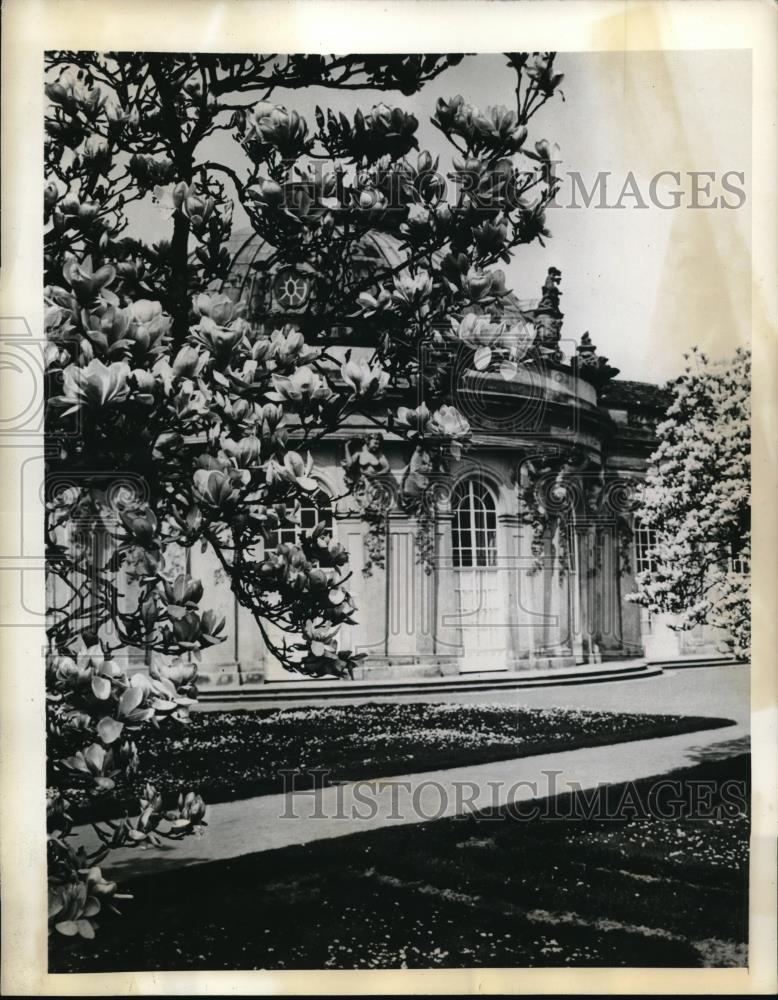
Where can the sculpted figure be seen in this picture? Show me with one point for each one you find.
(417, 473)
(551, 293)
(369, 461)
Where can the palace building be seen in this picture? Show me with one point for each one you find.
(523, 559)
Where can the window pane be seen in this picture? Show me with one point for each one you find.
(644, 539)
(315, 510)
(474, 534)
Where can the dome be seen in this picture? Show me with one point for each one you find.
(377, 247)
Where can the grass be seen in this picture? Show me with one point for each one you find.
(500, 892)
(234, 755)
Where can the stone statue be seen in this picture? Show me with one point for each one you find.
(551, 293)
(416, 476)
(417, 472)
(548, 316)
(369, 461)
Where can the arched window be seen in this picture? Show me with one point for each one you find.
(315, 509)
(474, 526)
(644, 540)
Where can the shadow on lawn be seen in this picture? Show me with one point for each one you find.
(461, 892)
(721, 751)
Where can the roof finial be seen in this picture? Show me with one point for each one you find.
(594, 367)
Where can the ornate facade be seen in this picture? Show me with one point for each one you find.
(523, 558)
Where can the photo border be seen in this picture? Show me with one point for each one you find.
(32, 26)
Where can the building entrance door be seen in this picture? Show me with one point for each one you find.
(481, 596)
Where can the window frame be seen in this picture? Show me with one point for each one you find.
(474, 542)
(643, 541)
(290, 534)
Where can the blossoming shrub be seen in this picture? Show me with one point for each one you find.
(697, 501)
(174, 422)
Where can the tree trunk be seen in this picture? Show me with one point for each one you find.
(179, 279)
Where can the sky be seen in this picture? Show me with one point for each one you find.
(647, 282)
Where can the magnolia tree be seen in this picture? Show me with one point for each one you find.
(697, 501)
(173, 422)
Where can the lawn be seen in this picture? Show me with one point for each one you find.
(624, 891)
(234, 755)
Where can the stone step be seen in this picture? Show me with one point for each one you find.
(685, 662)
(486, 681)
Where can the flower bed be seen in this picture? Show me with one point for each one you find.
(233, 755)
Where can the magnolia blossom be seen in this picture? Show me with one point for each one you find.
(495, 127)
(267, 191)
(411, 292)
(294, 469)
(197, 207)
(187, 362)
(215, 488)
(371, 200)
(120, 116)
(183, 590)
(178, 672)
(97, 150)
(419, 224)
(72, 907)
(245, 453)
(539, 68)
(218, 340)
(51, 194)
(476, 331)
(72, 90)
(491, 237)
(416, 419)
(303, 385)
(141, 523)
(383, 132)
(273, 125)
(95, 387)
(187, 199)
(449, 422)
(285, 348)
(500, 125)
(145, 310)
(85, 281)
(95, 765)
(364, 380)
(150, 325)
(483, 286)
(516, 340)
(375, 303)
(219, 308)
(69, 205)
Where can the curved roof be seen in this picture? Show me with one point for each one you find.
(247, 248)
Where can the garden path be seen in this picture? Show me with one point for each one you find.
(269, 822)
